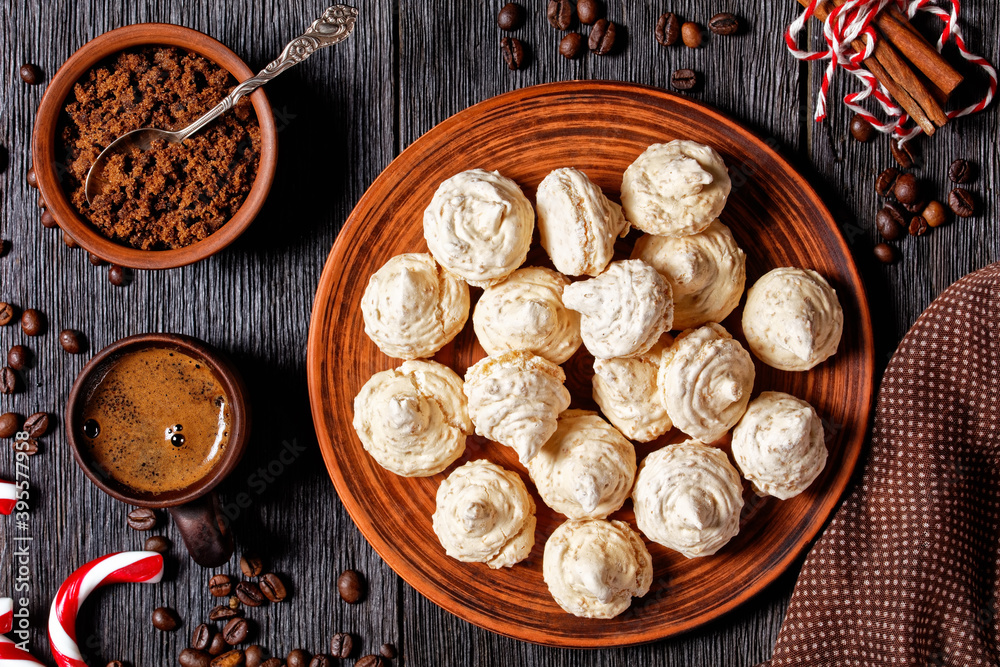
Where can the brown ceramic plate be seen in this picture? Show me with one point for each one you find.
(599, 127)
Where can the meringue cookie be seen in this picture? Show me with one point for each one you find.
(792, 319)
(412, 308)
(526, 312)
(706, 271)
(688, 497)
(675, 189)
(706, 378)
(479, 226)
(779, 445)
(413, 419)
(594, 568)
(586, 469)
(515, 399)
(577, 223)
(628, 393)
(624, 311)
(485, 514)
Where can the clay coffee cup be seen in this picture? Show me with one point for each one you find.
(194, 507)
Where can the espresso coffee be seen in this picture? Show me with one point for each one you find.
(157, 421)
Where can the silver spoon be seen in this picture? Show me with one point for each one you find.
(333, 27)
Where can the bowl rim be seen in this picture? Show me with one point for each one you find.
(224, 370)
(43, 145)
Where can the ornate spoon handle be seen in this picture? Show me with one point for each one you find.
(334, 26)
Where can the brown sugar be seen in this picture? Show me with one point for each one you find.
(172, 195)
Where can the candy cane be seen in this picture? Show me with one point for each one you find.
(140, 567)
(10, 654)
(852, 20)
(8, 496)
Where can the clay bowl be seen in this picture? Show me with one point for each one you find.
(223, 369)
(44, 144)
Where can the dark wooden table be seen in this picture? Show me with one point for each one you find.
(343, 116)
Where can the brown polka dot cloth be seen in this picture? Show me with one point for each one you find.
(907, 572)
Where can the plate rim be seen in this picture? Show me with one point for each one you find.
(331, 273)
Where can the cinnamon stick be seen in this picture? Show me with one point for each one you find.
(889, 71)
(915, 47)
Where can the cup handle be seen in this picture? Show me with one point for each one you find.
(206, 535)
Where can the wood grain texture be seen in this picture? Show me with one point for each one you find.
(599, 128)
(344, 115)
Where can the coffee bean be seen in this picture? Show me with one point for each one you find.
(571, 46)
(191, 657)
(6, 313)
(388, 651)
(724, 23)
(918, 226)
(218, 646)
(962, 203)
(236, 631)
(341, 645)
(142, 519)
(72, 341)
(32, 322)
(602, 37)
(370, 661)
(115, 663)
(231, 659)
(916, 206)
(885, 253)
(18, 357)
(10, 424)
(935, 214)
(234, 602)
(37, 424)
(560, 15)
(220, 585)
(351, 586)
(48, 220)
(297, 658)
(889, 223)
(906, 189)
(273, 587)
(511, 16)
(691, 34)
(201, 638)
(255, 655)
(321, 660)
(684, 79)
(251, 565)
(903, 154)
(224, 613)
(272, 662)
(513, 52)
(249, 594)
(885, 181)
(28, 447)
(961, 171)
(30, 74)
(861, 129)
(118, 275)
(668, 29)
(165, 618)
(8, 381)
(589, 11)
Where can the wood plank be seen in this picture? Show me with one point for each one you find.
(253, 300)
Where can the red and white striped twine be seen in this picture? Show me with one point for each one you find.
(852, 21)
